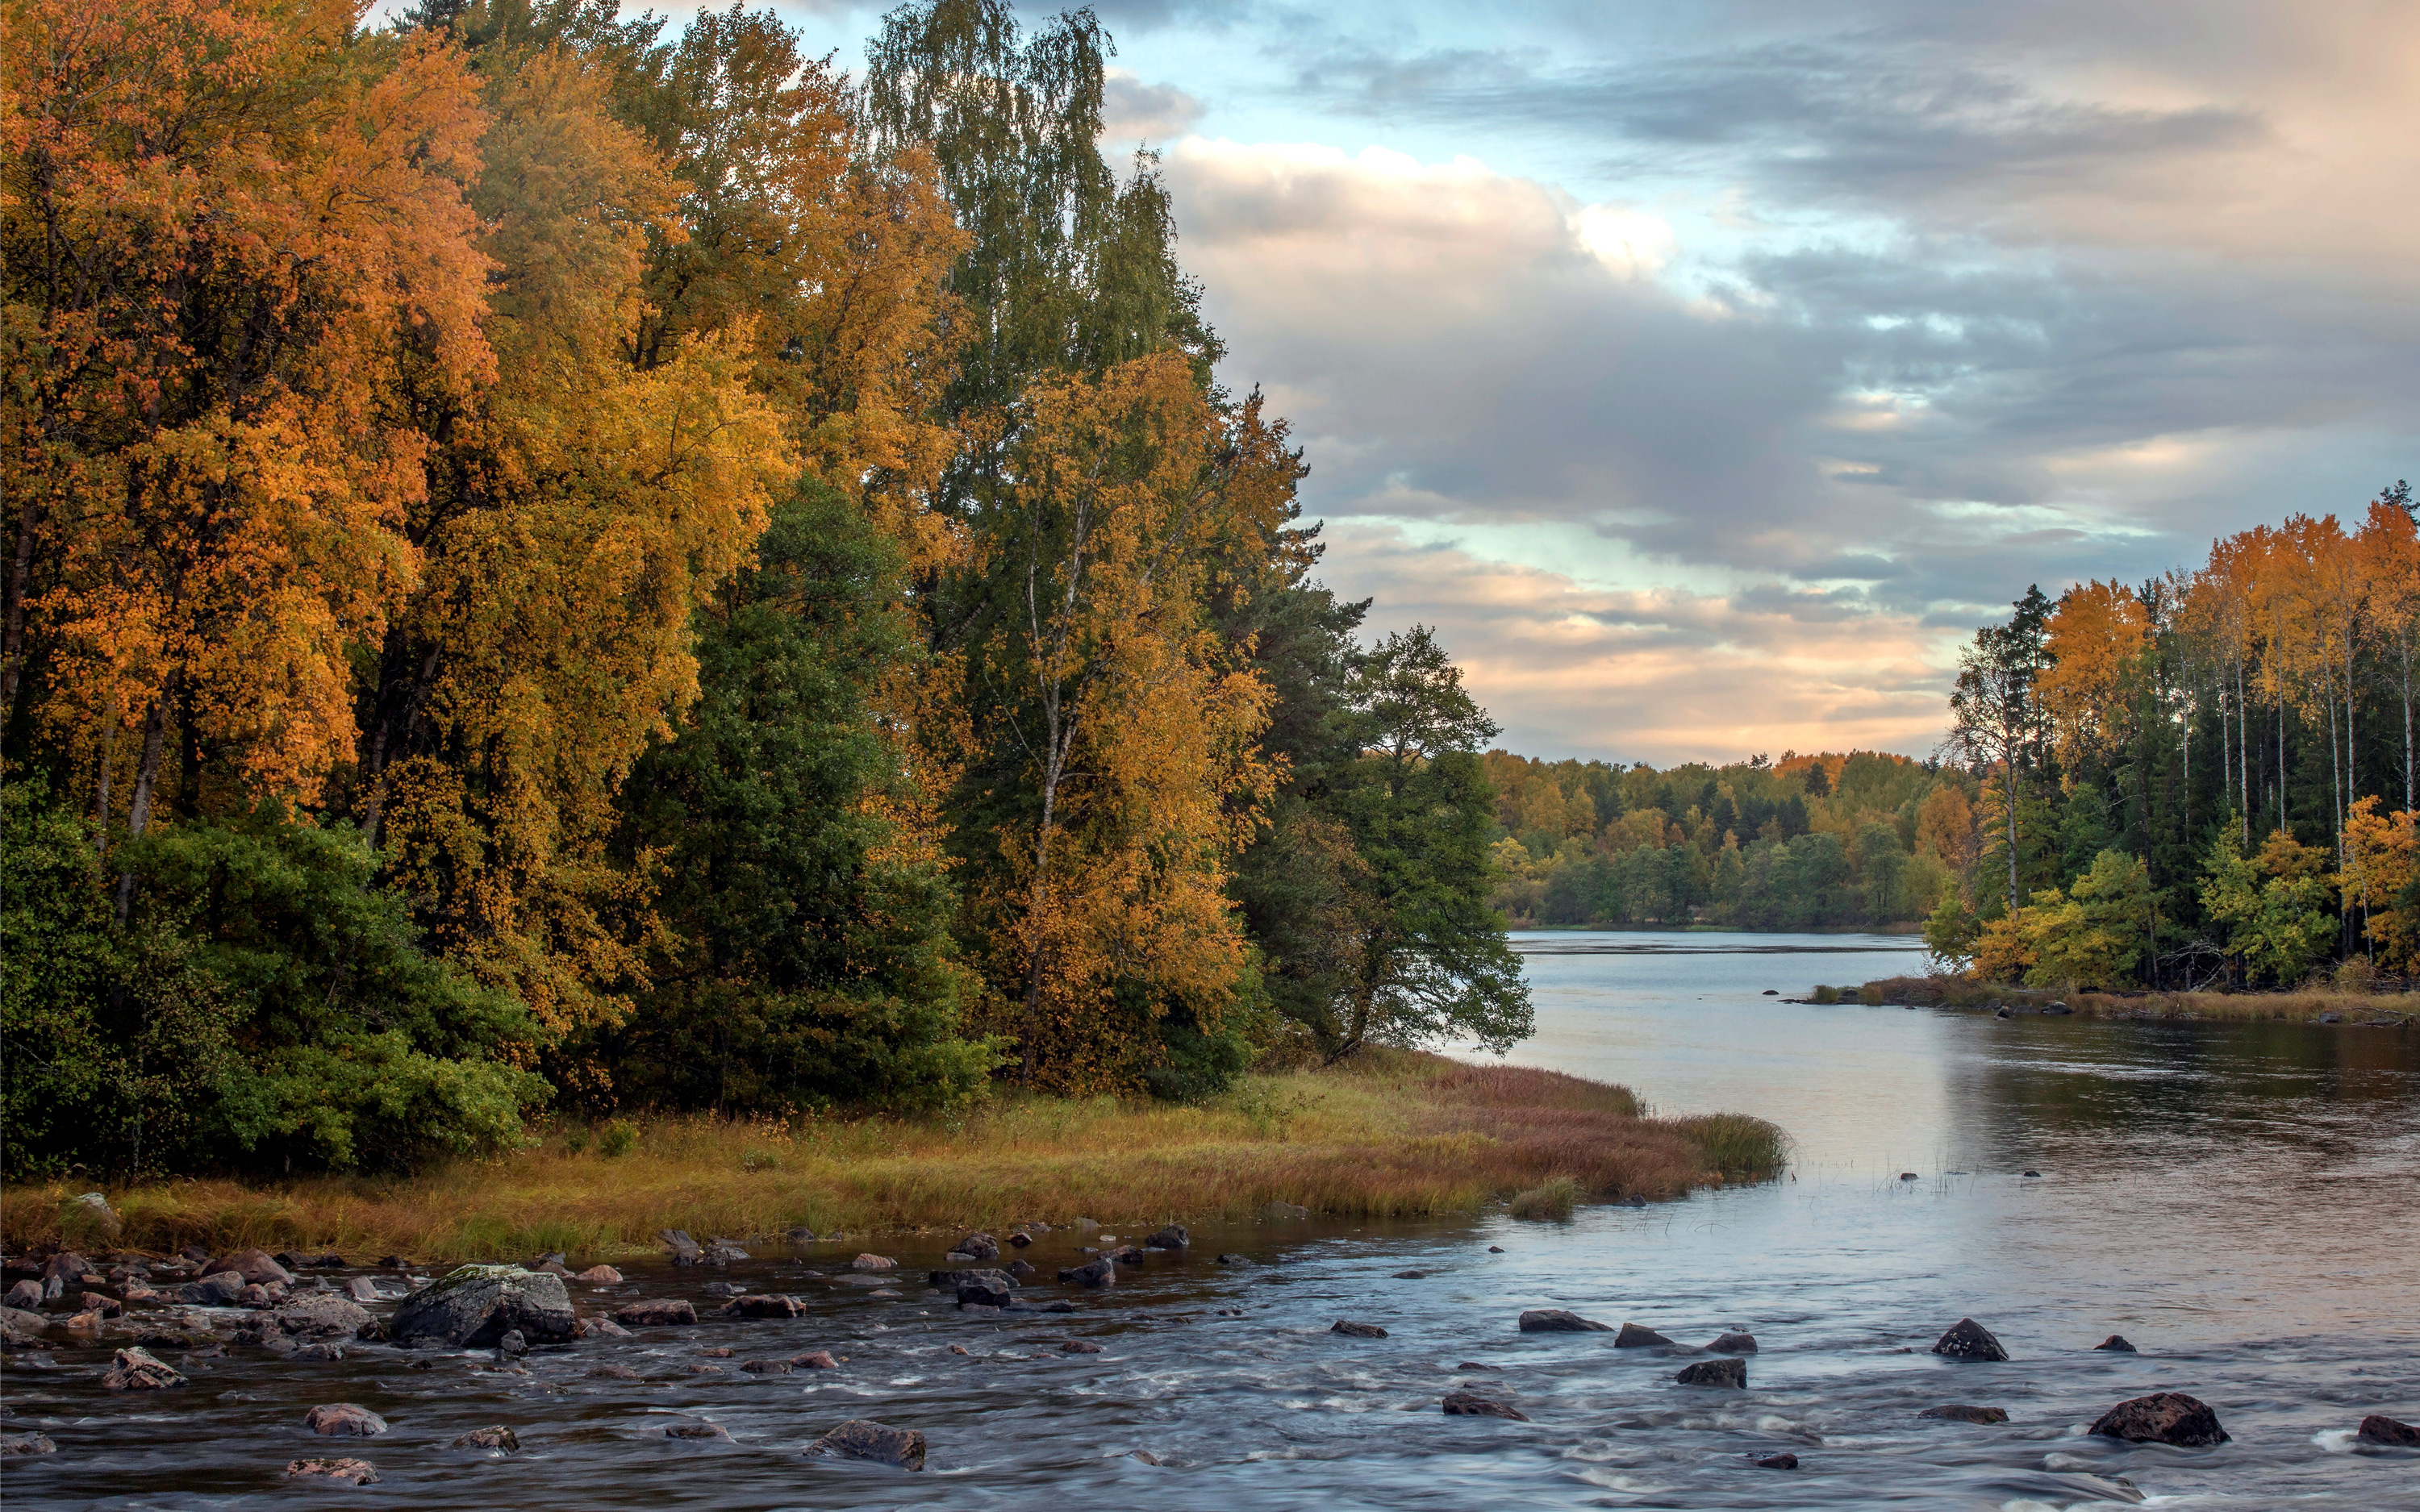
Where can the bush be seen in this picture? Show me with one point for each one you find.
(617, 1139)
(1825, 995)
(1555, 1200)
(1870, 995)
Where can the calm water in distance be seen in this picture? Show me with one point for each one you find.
(2241, 1201)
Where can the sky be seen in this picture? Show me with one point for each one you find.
(1706, 370)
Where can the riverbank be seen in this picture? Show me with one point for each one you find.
(1391, 1134)
(2327, 1005)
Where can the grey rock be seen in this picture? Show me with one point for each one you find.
(599, 1328)
(656, 1313)
(497, 1440)
(952, 1280)
(513, 1344)
(1556, 1320)
(322, 1352)
(978, 1247)
(1019, 1269)
(686, 1251)
(815, 1360)
(220, 1290)
(599, 1275)
(1967, 1339)
(324, 1316)
(476, 1305)
(62, 1270)
(2162, 1417)
(769, 1304)
(344, 1420)
(18, 1445)
(1784, 1461)
(800, 1234)
(992, 1291)
(1078, 1347)
(1956, 1412)
(721, 1288)
(1172, 1237)
(708, 1432)
(1733, 1344)
(355, 1472)
(873, 1262)
(1731, 1373)
(768, 1367)
(1470, 1404)
(1633, 1336)
(1100, 1273)
(1358, 1331)
(135, 1370)
(864, 1439)
(2380, 1428)
(26, 1296)
(255, 1266)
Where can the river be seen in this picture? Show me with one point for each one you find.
(2241, 1201)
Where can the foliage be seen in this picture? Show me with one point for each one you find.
(2273, 906)
(2095, 936)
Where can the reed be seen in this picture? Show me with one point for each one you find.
(2302, 1006)
(1390, 1134)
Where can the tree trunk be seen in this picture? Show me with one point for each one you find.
(12, 638)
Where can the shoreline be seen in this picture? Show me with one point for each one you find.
(1391, 1134)
(2331, 1006)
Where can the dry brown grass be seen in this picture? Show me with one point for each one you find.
(2290, 1007)
(1391, 1134)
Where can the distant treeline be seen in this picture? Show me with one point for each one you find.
(1810, 842)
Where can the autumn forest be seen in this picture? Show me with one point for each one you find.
(558, 565)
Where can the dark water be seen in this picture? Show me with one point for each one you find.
(2241, 1201)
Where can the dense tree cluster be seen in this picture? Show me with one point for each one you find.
(2204, 778)
(549, 562)
(1811, 841)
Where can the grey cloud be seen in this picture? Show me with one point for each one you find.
(1135, 112)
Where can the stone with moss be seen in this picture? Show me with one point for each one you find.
(476, 1305)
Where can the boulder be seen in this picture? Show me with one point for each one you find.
(1126, 1255)
(2378, 1428)
(952, 1280)
(864, 1439)
(318, 1351)
(656, 1313)
(553, 1268)
(1019, 1269)
(353, 1471)
(1358, 1331)
(1785, 1460)
(18, 1445)
(599, 1275)
(26, 1296)
(1284, 1210)
(254, 1295)
(362, 1289)
(344, 1420)
(65, 1268)
(978, 1247)
(324, 1316)
(497, 1440)
(800, 1234)
(979, 1290)
(2117, 1344)
(513, 1344)
(1956, 1413)
(2162, 1417)
(1556, 1320)
(685, 1250)
(872, 1262)
(1078, 1347)
(1172, 1237)
(1733, 1344)
(768, 1368)
(255, 1266)
(1098, 1273)
(1470, 1404)
(19, 1329)
(1635, 1337)
(219, 1290)
(95, 1302)
(723, 1289)
(135, 1370)
(478, 1304)
(1234, 1259)
(815, 1360)
(1969, 1340)
(1731, 1373)
(1020, 1239)
(1409, 1276)
(599, 1328)
(771, 1305)
(709, 1432)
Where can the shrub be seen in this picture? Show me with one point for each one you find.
(617, 1139)
(1825, 995)
(575, 1138)
(1555, 1200)
(1870, 995)
(759, 1160)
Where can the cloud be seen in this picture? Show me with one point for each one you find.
(1133, 111)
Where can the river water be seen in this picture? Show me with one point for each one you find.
(2242, 1202)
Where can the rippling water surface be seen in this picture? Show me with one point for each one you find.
(2241, 1201)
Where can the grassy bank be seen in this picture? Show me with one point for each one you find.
(2291, 1007)
(1389, 1136)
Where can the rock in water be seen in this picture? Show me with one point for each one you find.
(324, 1316)
(2117, 1344)
(1078, 1347)
(815, 1360)
(863, 1438)
(1781, 1462)
(26, 1295)
(478, 1306)
(2162, 1417)
(19, 1444)
(1173, 1237)
(1470, 1404)
(356, 1472)
(771, 1305)
(599, 1275)
(984, 1291)
(344, 1420)
(2378, 1428)
(1969, 1340)
(135, 1370)
(1358, 1331)
(658, 1313)
(872, 1262)
(1100, 1273)
(1733, 1344)
(978, 1247)
(219, 1290)
(1556, 1320)
(497, 1440)
(1956, 1413)
(710, 1432)
(1635, 1337)
(1731, 1373)
(257, 1267)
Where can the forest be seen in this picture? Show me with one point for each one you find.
(2204, 779)
(1810, 842)
(559, 567)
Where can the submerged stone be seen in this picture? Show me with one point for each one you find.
(1557, 1320)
